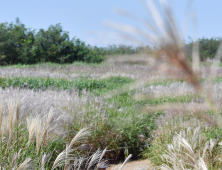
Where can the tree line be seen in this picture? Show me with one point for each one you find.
(21, 45)
(207, 47)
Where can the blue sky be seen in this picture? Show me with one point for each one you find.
(84, 18)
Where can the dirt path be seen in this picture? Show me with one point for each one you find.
(134, 164)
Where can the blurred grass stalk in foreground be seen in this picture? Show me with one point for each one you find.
(169, 59)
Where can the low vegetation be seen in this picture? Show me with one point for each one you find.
(63, 84)
(113, 124)
(81, 115)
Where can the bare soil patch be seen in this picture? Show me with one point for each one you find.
(134, 164)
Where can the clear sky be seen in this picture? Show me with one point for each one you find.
(84, 18)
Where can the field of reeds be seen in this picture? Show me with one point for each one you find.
(41, 114)
(162, 106)
(62, 115)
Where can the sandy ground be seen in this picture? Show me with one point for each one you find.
(134, 164)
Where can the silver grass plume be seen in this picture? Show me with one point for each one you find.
(95, 159)
(66, 155)
(27, 164)
(63, 157)
(44, 159)
(82, 134)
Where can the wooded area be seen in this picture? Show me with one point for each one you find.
(21, 45)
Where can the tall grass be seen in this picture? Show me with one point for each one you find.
(170, 59)
(116, 121)
(112, 123)
(189, 150)
(33, 143)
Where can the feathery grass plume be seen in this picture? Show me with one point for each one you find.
(202, 165)
(172, 122)
(63, 157)
(14, 158)
(17, 112)
(66, 155)
(100, 162)
(95, 159)
(124, 163)
(31, 124)
(179, 158)
(82, 134)
(17, 124)
(27, 164)
(10, 128)
(186, 150)
(39, 129)
(47, 124)
(102, 154)
(49, 118)
(76, 165)
(44, 158)
(5, 127)
(183, 142)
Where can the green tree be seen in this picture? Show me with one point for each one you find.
(19, 44)
(16, 43)
(207, 47)
(52, 44)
